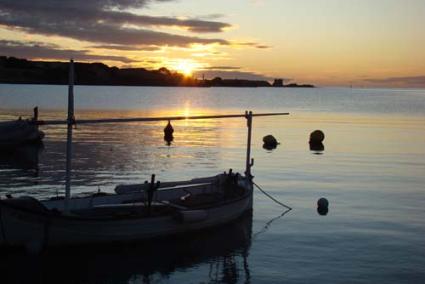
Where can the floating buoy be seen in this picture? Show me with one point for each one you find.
(322, 206)
(317, 147)
(323, 202)
(270, 142)
(168, 133)
(317, 136)
(323, 211)
(316, 139)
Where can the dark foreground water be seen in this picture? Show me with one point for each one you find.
(372, 171)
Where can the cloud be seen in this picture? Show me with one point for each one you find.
(262, 46)
(32, 50)
(105, 22)
(222, 68)
(127, 47)
(250, 44)
(408, 81)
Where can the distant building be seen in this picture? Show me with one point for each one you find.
(278, 83)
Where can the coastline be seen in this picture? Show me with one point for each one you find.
(22, 71)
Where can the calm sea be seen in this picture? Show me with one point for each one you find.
(372, 171)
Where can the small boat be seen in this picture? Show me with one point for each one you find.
(128, 215)
(153, 261)
(20, 132)
(134, 212)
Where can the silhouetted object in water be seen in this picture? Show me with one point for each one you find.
(323, 211)
(19, 132)
(316, 139)
(35, 117)
(317, 136)
(150, 261)
(270, 143)
(322, 202)
(168, 133)
(317, 147)
(151, 190)
(322, 206)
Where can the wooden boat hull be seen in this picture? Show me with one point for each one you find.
(38, 227)
(122, 262)
(19, 132)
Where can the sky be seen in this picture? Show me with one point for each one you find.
(324, 42)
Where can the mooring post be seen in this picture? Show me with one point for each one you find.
(70, 122)
(35, 116)
(248, 116)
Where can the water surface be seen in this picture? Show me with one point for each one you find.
(372, 171)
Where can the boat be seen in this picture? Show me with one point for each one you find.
(134, 212)
(223, 251)
(20, 132)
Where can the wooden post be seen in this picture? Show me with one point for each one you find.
(35, 117)
(248, 116)
(70, 122)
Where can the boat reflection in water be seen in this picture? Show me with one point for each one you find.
(223, 251)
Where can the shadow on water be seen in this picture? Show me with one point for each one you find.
(223, 251)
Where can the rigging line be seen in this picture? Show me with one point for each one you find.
(271, 197)
(151, 119)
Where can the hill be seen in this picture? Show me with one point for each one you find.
(21, 71)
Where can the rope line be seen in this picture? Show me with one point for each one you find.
(271, 197)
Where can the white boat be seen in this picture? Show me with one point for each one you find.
(190, 206)
(133, 212)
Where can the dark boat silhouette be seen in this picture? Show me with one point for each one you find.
(20, 132)
(224, 248)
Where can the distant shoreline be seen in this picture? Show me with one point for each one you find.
(22, 71)
(160, 86)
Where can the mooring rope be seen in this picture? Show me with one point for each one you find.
(271, 197)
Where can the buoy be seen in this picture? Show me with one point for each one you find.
(323, 202)
(270, 142)
(168, 133)
(322, 211)
(317, 147)
(322, 206)
(317, 136)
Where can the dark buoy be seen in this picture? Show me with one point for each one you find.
(270, 142)
(316, 141)
(317, 147)
(168, 133)
(317, 136)
(323, 202)
(322, 206)
(322, 211)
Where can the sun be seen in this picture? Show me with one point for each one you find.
(186, 67)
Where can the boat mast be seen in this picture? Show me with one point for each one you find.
(70, 122)
(249, 161)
